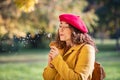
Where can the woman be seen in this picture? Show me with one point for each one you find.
(72, 54)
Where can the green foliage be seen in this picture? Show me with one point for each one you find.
(45, 16)
(109, 12)
(25, 5)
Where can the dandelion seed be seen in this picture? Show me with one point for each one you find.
(49, 35)
(9, 52)
(27, 37)
(23, 39)
(12, 45)
(24, 45)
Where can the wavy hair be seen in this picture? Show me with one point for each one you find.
(77, 37)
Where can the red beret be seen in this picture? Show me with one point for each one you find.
(75, 21)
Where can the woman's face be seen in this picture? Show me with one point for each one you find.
(64, 31)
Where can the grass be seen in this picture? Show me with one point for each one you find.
(21, 71)
(111, 64)
(109, 58)
(29, 65)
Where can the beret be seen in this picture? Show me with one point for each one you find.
(75, 21)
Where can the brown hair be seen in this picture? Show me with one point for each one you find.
(77, 37)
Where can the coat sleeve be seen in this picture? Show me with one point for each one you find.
(83, 68)
(49, 73)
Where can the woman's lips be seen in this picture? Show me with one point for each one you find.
(61, 34)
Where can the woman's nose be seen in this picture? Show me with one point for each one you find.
(61, 29)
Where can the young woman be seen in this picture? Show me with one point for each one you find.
(72, 54)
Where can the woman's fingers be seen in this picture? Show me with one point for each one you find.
(53, 47)
(53, 52)
(50, 54)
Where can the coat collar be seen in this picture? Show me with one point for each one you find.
(74, 48)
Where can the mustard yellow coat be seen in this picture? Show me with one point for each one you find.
(68, 67)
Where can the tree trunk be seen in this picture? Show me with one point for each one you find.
(117, 33)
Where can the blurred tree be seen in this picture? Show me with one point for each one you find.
(71, 6)
(39, 18)
(109, 17)
(25, 5)
(17, 17)
(8, 19)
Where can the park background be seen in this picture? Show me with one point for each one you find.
(28, 26)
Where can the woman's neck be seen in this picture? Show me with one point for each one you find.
(69, 43)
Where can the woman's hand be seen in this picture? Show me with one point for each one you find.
(53, 52)
(49, 60)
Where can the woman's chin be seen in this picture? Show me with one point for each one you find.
(62, 40)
